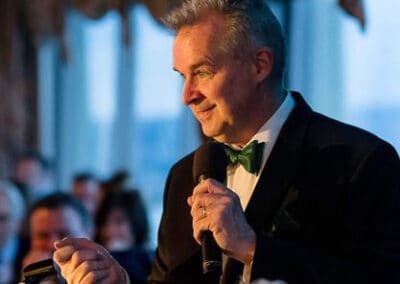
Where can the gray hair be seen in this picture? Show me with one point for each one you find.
(248, 23)
(15, 199)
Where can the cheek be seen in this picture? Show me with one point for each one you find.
(229, 102)
(223, 94)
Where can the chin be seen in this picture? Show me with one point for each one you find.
(213, 133)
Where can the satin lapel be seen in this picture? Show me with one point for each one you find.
(281, 168)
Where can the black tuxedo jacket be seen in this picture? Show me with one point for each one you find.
(326, 209)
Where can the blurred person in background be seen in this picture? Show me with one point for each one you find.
(86, 187)
(33, 176)
(117, 182)
(53, 218)
(12, 246)
(122, 228)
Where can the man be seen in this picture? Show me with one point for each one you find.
(12, 246)
(53, 218)
(32, 176)
(86, 187)
(323, 204)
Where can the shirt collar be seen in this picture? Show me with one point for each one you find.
(271, 128)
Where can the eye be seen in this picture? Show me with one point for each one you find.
(202, 73)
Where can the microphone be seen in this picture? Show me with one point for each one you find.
(210, 162)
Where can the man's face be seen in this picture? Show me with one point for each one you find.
(116, 232)
(218, 88)
(29, 172)
(88, 191)
(49, 225)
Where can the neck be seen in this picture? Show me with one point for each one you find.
(262, 110)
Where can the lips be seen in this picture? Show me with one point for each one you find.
(204, 113)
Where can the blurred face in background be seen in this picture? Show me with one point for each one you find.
(29, 172)
(50, 225)
(116, 232)
(88, 191)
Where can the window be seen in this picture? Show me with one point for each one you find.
(112, 106)
(371, 71)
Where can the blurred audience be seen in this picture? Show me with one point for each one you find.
(52, 218)
(33, 176)
(116, 182)
(122, 228)
(86, 187)
(12, 247)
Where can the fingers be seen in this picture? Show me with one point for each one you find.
(199, 227)
(209, 214)
(217, 209)
(70, 251)
(77, 243)
(67, 246)
(79, 258)
(90, 271)
(209, 188)
(84, 261)
(199, 213)
(98, 277)
(63, 254)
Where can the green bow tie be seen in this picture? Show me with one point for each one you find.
(249, 157)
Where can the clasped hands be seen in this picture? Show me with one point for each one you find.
(216, 208)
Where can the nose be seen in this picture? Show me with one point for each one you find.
(190, 92)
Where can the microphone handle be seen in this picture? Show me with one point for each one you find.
(212, 262)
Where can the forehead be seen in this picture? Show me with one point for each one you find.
(199, 40)
(28, 163)
(51, 219)
(116, 212)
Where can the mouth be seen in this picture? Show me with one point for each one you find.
(203, 114)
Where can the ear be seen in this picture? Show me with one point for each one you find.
(263, 63)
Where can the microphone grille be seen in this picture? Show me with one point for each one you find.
(210, 162)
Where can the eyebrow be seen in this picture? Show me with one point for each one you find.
(202, 63)
(198, 64)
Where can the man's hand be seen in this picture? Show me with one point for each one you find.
(217, 208)
(83, 261)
